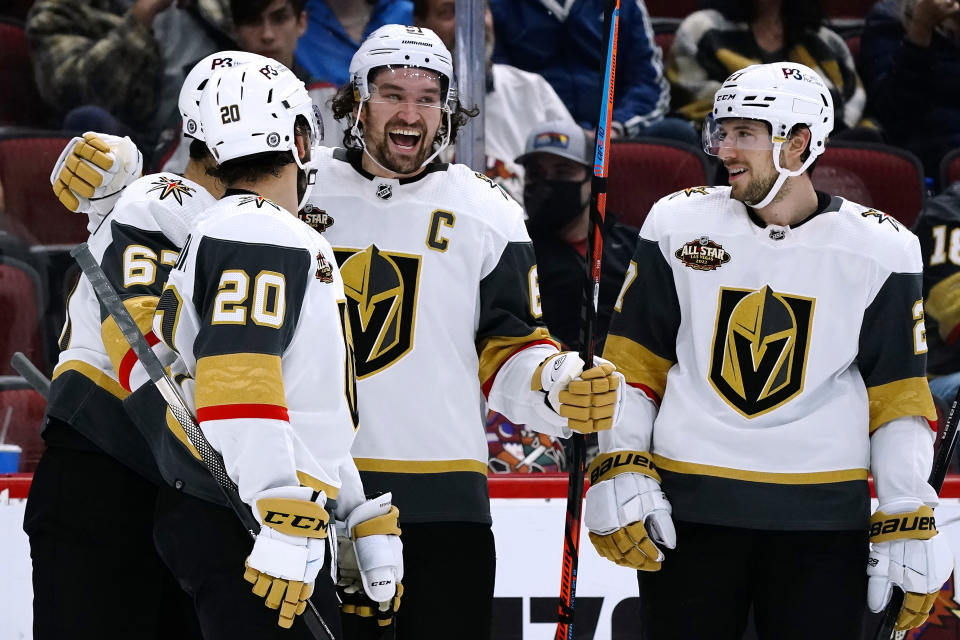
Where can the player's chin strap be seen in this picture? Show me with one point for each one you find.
(782, 178)
(355, 131)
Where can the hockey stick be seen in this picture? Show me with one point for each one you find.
(945, 450)
(30, 373)
(598, 208)
(211, 458)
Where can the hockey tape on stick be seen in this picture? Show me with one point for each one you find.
(946, 446)
(211, 458)
(30, 373)
(598, 206)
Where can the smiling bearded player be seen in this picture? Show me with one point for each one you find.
(441, 287)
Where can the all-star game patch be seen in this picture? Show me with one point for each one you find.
(168, 187)
(702, 254)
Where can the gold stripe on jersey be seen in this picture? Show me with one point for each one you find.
(638, 364)
(96, 376)
(907, 397)
(943, 304)
(420, 466)
(141, 309)
(240, 378)
(308, 480)
(495, 350)
(815, 477)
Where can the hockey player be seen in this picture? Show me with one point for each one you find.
(441, 287)
(96, 461)
(782, 361)
(255, 308)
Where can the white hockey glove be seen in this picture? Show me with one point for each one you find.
(906, 551)
(627, 513)
(583, 401)
(93, 171)
(289, 550)
(371, 560)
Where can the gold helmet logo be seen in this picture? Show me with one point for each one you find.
(381, 290)
(760, 348)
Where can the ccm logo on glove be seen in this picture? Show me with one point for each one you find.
(608, 465)
(294, 517)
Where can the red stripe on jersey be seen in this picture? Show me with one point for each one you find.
(489, 383)
(232, 411)
(647, 390)
(130, 359)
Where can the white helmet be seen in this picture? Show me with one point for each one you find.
(782, 94)
(399, 46)
(251, 109)
(196, 80)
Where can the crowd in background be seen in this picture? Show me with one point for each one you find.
(116, 66)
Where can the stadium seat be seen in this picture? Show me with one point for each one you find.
(950, 169)
(644, 170)
(21, 303)
(847, 8)
(875, 175)
(21, 417)
(32, 211)
(21, 104)
(671, 8)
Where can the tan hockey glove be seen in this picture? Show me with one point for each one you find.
(289, 550)
(93, 171)
(626, 512)
(906, 551)
(584, 401)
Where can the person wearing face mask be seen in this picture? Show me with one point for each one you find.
(556, 193)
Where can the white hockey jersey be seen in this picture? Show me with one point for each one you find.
(255, 308)
(776, 351)
(441, 288)
(136, 246)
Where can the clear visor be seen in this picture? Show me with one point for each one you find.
(734, 133)
(413, 86)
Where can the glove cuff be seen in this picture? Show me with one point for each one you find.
(915, 525)
(609, 465)
(386, 524)
(275, 508)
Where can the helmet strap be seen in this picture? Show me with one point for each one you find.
(782, 178)
(355, 131)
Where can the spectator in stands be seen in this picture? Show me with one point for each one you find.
(116, 66)
(515, 102)
(336, 28)
(729, 35)
(564, 44)
(558, 162)
(910, 59)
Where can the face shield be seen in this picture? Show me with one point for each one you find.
(734, 133)
(308, 166)
(419, 88)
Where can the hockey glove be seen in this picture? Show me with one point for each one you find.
(905, 551)
(627, 513)
(93, 171)
(371, 561)
(289, 550)
(584, 401)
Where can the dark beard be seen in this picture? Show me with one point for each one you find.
(758, 190)
(401, 165)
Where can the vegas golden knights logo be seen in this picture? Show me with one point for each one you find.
(760, 348)
(381, 288)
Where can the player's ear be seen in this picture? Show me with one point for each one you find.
(303, 146)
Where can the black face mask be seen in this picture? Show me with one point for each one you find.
(552, 204)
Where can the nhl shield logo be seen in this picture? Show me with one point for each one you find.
(760, 345)
(384, 191)
(381, 288)
(702, 254)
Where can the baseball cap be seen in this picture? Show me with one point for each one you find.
(564, 138)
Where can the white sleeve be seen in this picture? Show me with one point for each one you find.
(901, 456)
(511, 394)
(634, 431)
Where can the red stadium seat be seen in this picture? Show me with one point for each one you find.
(32, 211)
(645, 169)
(21, 103)
(847, 8)
(671, 8)
(21, 304)
(665, 42)
(21, 417)
(875, 175)
(950, 169)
